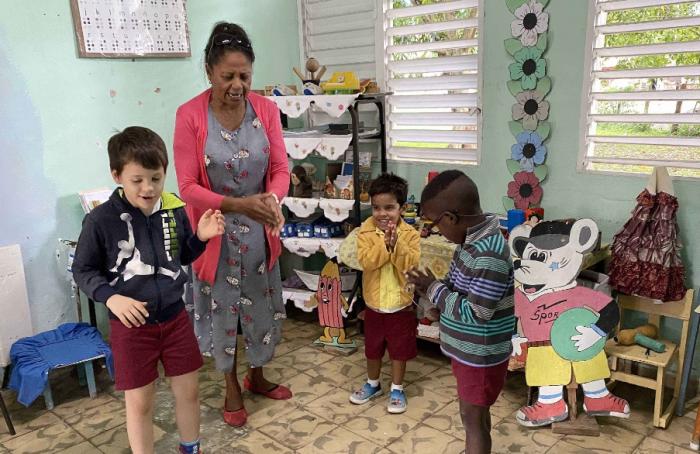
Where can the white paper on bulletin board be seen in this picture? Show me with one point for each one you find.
(131, 28)
(15, 321)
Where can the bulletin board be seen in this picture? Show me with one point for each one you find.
(131, 28)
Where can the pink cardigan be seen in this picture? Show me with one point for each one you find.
(195, 189)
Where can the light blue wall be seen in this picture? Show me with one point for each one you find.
(57, 112)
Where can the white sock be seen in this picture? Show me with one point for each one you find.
(595, 389)
(396, 387)
(373, 383)
(550, 394)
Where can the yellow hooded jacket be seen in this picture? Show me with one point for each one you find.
(383, 279)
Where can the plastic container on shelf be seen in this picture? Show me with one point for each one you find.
(289, 230)
(328, 230)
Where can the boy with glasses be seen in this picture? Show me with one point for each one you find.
(475, 300)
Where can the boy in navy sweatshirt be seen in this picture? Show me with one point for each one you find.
(130, 256)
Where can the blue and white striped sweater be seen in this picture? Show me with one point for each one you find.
(476, 299)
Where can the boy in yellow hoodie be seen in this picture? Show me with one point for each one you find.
(387, 248)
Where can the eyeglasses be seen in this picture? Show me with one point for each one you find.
(434, 229)
(224, 39)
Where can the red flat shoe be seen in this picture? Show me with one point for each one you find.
(279, 392)
(236, 418)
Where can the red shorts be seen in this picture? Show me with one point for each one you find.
(137, 351)
(395, 331)
(479, 385)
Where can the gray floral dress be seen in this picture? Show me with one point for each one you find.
(245, 295)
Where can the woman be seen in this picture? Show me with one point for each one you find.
(230, 155)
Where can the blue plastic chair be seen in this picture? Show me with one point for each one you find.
(68, 345)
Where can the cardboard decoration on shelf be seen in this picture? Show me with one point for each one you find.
(564, 325)
(332, 307)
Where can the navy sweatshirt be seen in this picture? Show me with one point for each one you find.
(122, 251)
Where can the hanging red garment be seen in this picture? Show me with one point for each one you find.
(646, 251)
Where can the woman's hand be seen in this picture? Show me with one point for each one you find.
(261, 208)
(211, 224)
(274, 205)
(130, 312)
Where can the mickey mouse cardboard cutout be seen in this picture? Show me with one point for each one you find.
(564, 326)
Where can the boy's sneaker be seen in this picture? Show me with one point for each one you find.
(365, 394)
(397, 401)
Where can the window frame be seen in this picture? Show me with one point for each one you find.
(585, 124)
(383, 76)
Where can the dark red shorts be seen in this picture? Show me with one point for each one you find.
(137, 351)
(479, 385)
(395, 332)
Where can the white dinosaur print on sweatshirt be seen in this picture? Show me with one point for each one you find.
(134, 265)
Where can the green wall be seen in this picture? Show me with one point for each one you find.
(608, 199)
(57, 112)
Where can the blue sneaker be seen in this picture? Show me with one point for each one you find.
(397, 401)
(365, 394)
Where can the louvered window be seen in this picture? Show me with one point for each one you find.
(642, 87)
(431, 64)
(340, 34)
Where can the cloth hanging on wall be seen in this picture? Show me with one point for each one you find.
(646, 257)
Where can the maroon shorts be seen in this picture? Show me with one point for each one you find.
(395, 331)
(137, 351)
(479, 385)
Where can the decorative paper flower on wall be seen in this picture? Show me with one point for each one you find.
(529, 22)
(531, 108)
(528, 67)
(525, 190)
(529, 150)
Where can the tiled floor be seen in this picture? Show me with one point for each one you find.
(319, 419)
